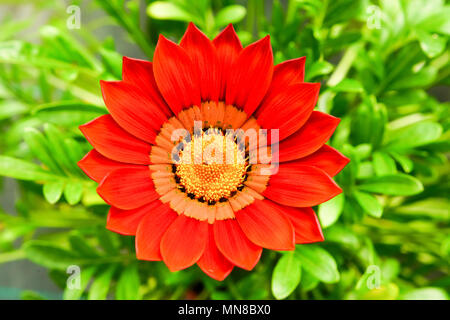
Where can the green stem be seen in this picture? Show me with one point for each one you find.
(177, 294)
(251, 14)
(259, 16)
(12, 256)
(291, 11)
(77, 91)
(321, 17)
(344, 66)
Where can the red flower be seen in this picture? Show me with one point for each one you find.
(212, 213)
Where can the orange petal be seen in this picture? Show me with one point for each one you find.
(267, 226)
(235, 245)
(301, 186)
(105, 135)
(184, 242)
(212, 262)
(151, 230)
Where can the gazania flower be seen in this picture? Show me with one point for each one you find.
(159, 155)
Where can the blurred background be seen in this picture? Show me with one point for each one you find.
(384, 69)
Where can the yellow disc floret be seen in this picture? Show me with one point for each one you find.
(211, 166)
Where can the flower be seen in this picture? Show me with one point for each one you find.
(159, 156)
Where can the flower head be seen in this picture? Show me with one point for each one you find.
(211, 153)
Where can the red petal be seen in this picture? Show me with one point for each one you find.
(212, 262)
(203, 54)
(266, 226)
(326, 158)
(115, 143)
(228, 48)
(184, 242)
(176, 75)
(313, 135)
(301, 186)
(288, 108)
(306, 224)
(128, 188)
(133, 109)
(151, 230)
(250, 76)
(235, 245)
(287, 73)
(126, 221)
(97, 166)
(140, 73)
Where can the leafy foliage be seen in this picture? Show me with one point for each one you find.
(385, 70)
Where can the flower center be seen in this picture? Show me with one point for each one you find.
(211, 166)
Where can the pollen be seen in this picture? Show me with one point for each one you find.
(211, 166)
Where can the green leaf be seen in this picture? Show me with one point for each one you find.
(74, 153)
(406, 163)
(128, 284)
(368, 123)
(73, 192)
(422, 78)
(41, 149)
(31, 295)
(53, 191)
(56, 143)
(432, 44)
(369, 203)
(396, 185)
(230, 14)
(71, 105)
(10, 108)
(109, 241)
(309, 282)
(318, 262)
(436, 208)
(286, 275)
(68, 113)
(10, 27)
(363, 150)
(319, 68)
(365, 170)
(168, 11)
(426, 294)
(49, 255)
(437, 22)
(390, 269)
(330, 211)
(415, 135)
(81, 247)
(101, 284)
(23, 170)
(113, 62)
(348, 85)
(62, 218)
(26, 54)
(64, 47)
(342, 235)
(383, 164)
